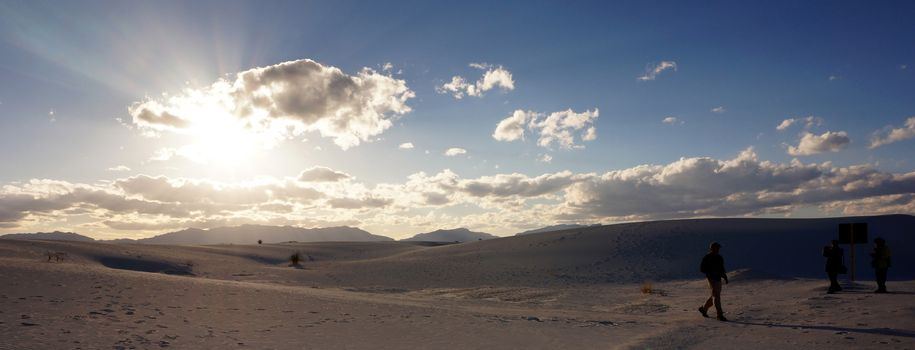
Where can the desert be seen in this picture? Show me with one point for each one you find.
(626, 286)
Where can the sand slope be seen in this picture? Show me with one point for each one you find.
(570, 289)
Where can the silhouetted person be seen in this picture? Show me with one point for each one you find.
(713, 268)
(835, 264)
(880, 260)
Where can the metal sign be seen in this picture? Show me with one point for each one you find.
(853, 233)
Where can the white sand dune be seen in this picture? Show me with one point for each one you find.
(577, 288)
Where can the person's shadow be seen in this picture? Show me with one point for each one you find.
(880, 331)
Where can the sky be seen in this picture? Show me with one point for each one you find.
(131, 119)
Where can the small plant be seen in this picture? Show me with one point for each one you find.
(647, 288)
(295, 258)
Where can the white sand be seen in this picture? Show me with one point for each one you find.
(553, 291)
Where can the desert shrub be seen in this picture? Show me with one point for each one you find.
(646, 288)
(295, 258)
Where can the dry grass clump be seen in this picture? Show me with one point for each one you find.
(647, 288)
(295, 259)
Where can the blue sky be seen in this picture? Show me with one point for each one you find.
(727, 75)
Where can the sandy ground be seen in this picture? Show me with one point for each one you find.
(403, 295)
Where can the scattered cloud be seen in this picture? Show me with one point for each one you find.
(809, 122)
(833, 77)
(903, 66)
(672, 120)
(274, 103)
(163, 154)
(455, 151)
(545, 158)
(785, 124)
(894, 134)
(652, 72)
(719, 110)
(688, 187)
(493, 77)
(119, 168)
(814, 144)
(406, 145)
(322, 174)
(557, 127)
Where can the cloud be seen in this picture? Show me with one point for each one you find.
(406, 145)
(719, 109)
(558, 127)
(493, 77)
(809, 122)
(814, 144)
(455, 151)
(360, 203)
(688, 187)
(651, 73)
(322, 174)
(512, 128)
(744, 185)
(119, 168)
(281, 101)
(785, 124)
(545, 158)
(672, 120)
(894, 135)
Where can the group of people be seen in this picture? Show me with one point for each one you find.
(835, 264)
(713, 267)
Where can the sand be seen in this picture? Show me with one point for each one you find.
(559, 290)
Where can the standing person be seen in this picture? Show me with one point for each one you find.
(713, 268)
(880, 260)
(835, 264)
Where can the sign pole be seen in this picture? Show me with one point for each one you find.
(852, 229)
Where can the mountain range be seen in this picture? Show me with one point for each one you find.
(453, 235)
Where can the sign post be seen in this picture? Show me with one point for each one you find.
(851, 234)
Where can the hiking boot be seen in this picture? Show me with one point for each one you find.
(703, 312)
(721, 318)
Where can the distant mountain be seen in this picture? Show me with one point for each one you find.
(454, 235)
(559, 227)
(250, 234)
(54, 236)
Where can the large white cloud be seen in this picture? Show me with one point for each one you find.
(708, 187)
(814, 144)
(558, 128)
(493, 77)
(282, 101)
(894, 134)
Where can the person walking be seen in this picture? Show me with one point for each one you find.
(713, 267)
(880, 261)
(835, 264)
